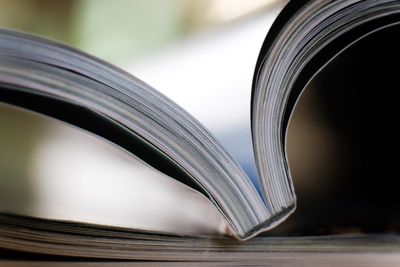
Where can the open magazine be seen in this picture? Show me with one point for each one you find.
(65, 84)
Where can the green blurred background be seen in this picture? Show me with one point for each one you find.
(122, 31)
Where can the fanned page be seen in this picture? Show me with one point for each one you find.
(305, 37)
(61, 82)
(110, 243)
(244, 192)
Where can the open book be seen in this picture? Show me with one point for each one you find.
(65, 84)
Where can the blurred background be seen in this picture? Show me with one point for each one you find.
(123, 31)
